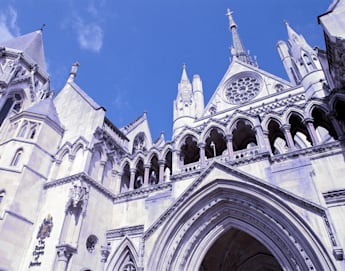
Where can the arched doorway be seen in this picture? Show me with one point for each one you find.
(220, 208)
(236, 250)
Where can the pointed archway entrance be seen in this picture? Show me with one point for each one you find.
(270, 231)
(236, 250)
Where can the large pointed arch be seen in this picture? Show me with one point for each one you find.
(201, 216)
(125, 251)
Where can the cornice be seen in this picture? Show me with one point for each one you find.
(141, 192)
(125, 231)
(335, 197)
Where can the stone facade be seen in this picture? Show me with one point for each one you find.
(253, 180)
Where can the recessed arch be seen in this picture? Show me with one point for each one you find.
(189, 151)
(225, 204)
(125, 253)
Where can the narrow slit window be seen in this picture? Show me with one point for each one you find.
(16, 158)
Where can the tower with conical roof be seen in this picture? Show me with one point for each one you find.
(30, 132)
(23, 76)
(302, 64)
(189, 103)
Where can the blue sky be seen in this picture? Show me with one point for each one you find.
(131, 52)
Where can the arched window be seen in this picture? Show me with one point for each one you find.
(215, 143)
(190, 152)
(243, 135)
(23, 130)
(32, 132)
(125, 178)
(139, 175)
(14, 102)
(16, 157)
(139, 143)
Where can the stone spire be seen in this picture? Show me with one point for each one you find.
(184, 76)
(237, 50)
(297, 42)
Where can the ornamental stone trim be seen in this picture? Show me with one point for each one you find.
(335, 197)
(279, 196)
(126, 231)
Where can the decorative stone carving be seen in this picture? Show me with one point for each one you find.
(105, 251)
(65, 252)
(43, 233)
(78, 197)
(242, 88)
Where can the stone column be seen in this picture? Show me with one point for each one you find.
(64, 254)
(288, 137)
(267, 141)
(55, 170)
(229, 147)
(308, 122)
(100, 171)
(175, 161)
(131, 180)
(260, 138)
(336, 125)
(115, 184)
(161, 164)
(202, 154)
(146, 174)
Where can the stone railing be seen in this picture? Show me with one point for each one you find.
(246, 153)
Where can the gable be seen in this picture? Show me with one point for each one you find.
(243, 84)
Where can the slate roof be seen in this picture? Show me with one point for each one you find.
(31, 45)
(47, 108)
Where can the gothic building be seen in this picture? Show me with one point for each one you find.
(251, 180)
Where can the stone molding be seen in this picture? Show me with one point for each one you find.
(117, 198)
(335, 197)
(142, 192)
(279, 195)
(126, 231)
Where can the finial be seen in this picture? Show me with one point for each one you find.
(184, 77)
(231, 19)
(73, 73)
(42, 27)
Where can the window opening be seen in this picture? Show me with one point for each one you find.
(16, 158)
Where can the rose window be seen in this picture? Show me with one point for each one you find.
(242, 89)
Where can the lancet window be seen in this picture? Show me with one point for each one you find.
(299, 132)
(323, 125)
(16, 158)
(12, 104)
(215, 143)
(243, 136)
(276, 138)
(190, 151)
(125, 178)
(139, 175)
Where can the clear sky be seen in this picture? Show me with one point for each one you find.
(131, 52)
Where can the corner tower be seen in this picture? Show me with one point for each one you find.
(302, 64)
(189, 103)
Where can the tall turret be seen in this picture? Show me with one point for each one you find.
(189, 103)
(237, 49)
(198, 96)
(301, 63)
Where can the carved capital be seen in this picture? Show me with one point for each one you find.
(105, 251)
(65, 252)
